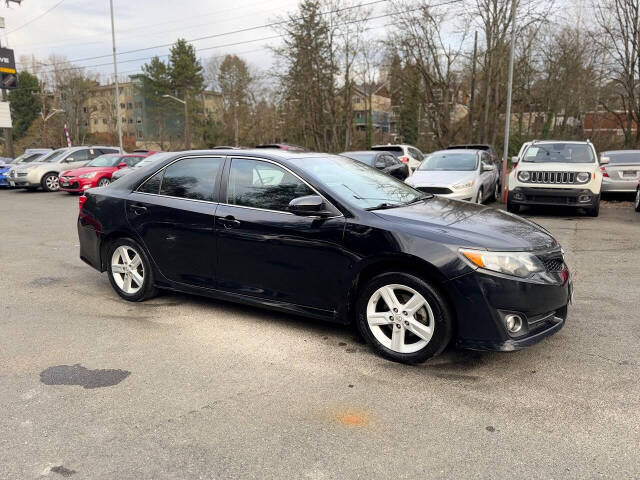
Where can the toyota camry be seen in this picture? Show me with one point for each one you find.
(331, 238)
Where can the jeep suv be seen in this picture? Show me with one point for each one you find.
(556, 173)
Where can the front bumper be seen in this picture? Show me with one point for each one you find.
(573, 197)
(483, 300)
(77, 184)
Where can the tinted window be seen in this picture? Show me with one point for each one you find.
(106, 150)
(55, 156)
(415, 153)
(131, 161)
(192, 178)
(453, 161)
(258, 184)
(364, 157)
(153, 184)
(78, 156)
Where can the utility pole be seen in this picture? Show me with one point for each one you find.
(8, 133)
(473, 85)
(187, 133)
(505, 153)
(115, 73)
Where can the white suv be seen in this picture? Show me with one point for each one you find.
(556, 173)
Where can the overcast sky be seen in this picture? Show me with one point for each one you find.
(79, 29)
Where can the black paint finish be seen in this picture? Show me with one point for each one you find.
(311, 265)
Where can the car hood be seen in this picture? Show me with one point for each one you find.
(472, 224)
(434, 178)
(82, 170)
(556, 167)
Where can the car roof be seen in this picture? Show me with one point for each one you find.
(361, 151)
(547, 142)
(450, 150)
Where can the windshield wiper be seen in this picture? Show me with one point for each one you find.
(385, 205)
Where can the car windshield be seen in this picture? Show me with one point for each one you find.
(55, 155)
(152, 159)
(358, 183)
(26, 158)
(108, 160)
(364, 157)
(559, 153)
(623, 157)
(450, 161)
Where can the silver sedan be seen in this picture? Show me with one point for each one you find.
(462, 174)
(620, 170)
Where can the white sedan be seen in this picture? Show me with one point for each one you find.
(467, 175)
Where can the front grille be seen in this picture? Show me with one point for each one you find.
(562, 178)
(555, 264)
(552, 199)
(436, 190)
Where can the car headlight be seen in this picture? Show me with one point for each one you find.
(88, 175)
(583, 177)
(463, 185)
(524, 176)
(518, 264)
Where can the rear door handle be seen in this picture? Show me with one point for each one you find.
(229, 221)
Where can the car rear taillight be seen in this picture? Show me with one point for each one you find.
(604, 172)
(81, 200)
(404, 159)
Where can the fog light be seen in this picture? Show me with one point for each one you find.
(513, 323)
(584, 198)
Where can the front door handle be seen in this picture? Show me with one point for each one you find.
(138, 209)
(229, 221)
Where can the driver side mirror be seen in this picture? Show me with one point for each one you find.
(122, 165)
(488, 168)
(514, 160)
(604, 160)
(68, 160)
(309, 205)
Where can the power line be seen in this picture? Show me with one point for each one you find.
(35, 18)
(206, 37)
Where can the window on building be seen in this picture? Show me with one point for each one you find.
(95, 121)
(140, 135)
(131, 120)
(104, 121)
(84, 109)
(122, 106)
(130, 106)
(138, 104)
(139, 120)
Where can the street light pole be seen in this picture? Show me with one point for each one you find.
(115, 73)
(505, 153)
(187, 138)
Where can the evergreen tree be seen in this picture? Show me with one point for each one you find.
(25, 106)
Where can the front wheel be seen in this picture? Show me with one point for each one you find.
(595, 210)
(404, 318)
(480, 196)
(103, 182)
(50, 182)
(129, 271)
(497, 192)
(637, 202)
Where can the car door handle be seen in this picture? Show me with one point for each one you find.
(229, 221)
(138, 209)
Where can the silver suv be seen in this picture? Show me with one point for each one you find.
(44, 173)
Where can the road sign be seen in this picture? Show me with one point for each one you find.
(8, 74)
(5, 115)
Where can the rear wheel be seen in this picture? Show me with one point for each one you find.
(404, 318)
(497, 191)
(129, 271)
(50, 182)
(637, 202)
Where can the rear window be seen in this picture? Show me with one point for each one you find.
(364, 157)
(395, 151)
(623, 157)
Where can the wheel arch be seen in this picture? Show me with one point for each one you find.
(396, 263)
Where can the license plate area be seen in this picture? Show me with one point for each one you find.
(629, 173)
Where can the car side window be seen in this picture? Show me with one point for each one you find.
(78, 156)
(390, 160)
(260, 184)
(152, 185)
(192, 178)
(415, 153)
(131, 161)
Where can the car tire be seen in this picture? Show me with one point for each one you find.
(480, 196)
(637, 202)
(103, 182)
(50, 182)
(511, 207)
(132, 279)
(595, 210)
(497, 191)
(427, 313)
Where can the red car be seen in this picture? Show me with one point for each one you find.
(96, 173)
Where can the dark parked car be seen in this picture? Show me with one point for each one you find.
(331, 238)
(382, 161)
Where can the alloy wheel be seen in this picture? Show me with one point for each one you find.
(400, 318)
(52, 182)
(103, 182)
(127, 269)
(638, 199)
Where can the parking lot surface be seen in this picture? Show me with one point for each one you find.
(183, 387)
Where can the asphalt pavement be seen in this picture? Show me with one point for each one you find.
(183, 387)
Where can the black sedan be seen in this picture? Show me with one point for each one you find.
(330, 238)
(382, 161)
